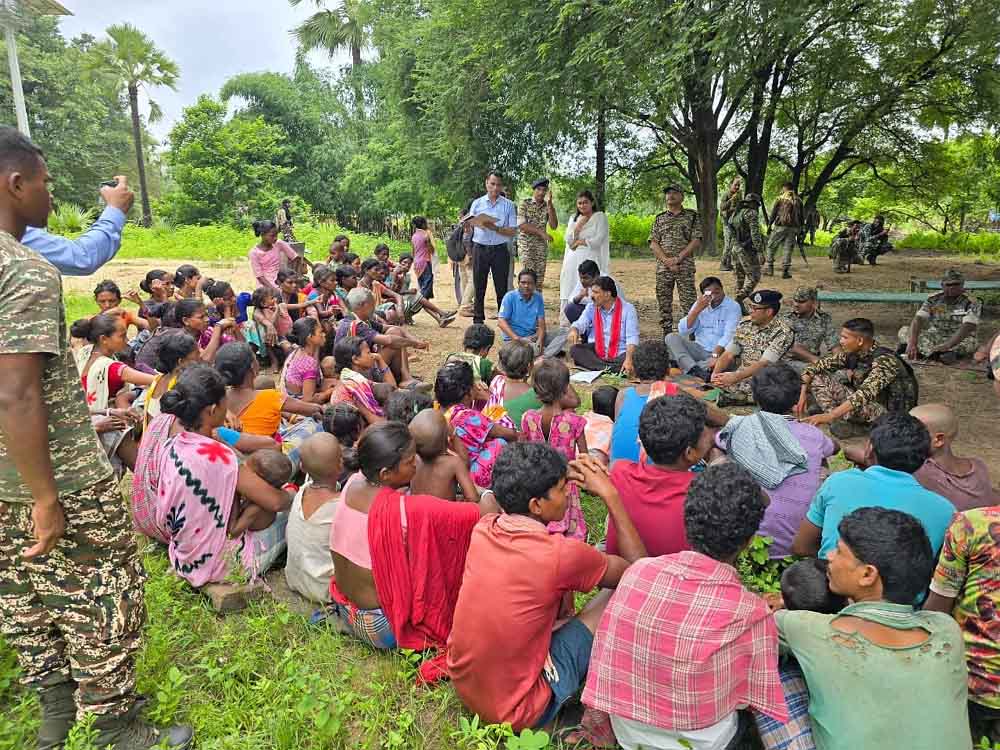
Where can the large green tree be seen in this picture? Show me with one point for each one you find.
(131, 61)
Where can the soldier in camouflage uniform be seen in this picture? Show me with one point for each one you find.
(945, 326)
(814, 329)
(787, 220)
(878, 381)
(874, 239)
(748, 246)
(71, 582)
(674, 238)
(533, 216)
(758, 342)
(727, 207)
(844, 248)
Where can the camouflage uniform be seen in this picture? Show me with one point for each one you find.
(784, 235)
(877, 381)
(746, 261)
(673, 232)
(753, 344)
(74, 615)
(872, 246)
(532, 250)
(814, 333)
(844, 251)
(942, 319)
(727, 206)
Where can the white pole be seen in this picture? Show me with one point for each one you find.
(15, 76)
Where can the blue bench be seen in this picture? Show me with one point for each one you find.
(925, 285)
(873, 297)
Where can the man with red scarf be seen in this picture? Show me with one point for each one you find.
(610, 325)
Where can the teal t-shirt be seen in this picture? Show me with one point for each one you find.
(846, 491)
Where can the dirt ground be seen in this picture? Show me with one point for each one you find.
(969, 392)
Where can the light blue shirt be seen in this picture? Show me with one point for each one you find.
(503, 212)
(88, 252)
(629, 335)
(521, 315)
(846, 491)
(715, 326)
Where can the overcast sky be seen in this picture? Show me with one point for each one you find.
(210, 41)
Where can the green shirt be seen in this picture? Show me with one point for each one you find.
(33, 321)
(866, 696)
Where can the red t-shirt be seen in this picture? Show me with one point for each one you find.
(115, 380)
(654, 500)
(515, 576)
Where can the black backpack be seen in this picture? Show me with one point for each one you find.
(456, 243)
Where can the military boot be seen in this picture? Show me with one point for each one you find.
(58, 714)
(129, 732)
(786, 273)
(769, 269)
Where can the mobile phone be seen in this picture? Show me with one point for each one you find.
(708, 293)
(110, 183)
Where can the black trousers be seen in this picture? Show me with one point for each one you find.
(585, 356)
(487, 259)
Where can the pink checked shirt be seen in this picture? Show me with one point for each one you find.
(682, 644)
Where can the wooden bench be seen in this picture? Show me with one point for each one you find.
(873, 297)
(928, 285)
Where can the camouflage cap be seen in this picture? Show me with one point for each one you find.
(805, 294)
(673, 188)
(953, 276)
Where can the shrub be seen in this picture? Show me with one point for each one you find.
(963, 243)
(68, 219)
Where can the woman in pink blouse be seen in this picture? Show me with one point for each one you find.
(265, 258)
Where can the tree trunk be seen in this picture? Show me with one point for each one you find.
(140, 162)
(601, 148)
(359, 96)
(355, 56)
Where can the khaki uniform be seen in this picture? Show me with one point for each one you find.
(942, 319)
(673, 232)
(815, 333)
(746, 261)
(753, 344)
(76, 613)
(532, 250)
(727, 206)
(876, 382)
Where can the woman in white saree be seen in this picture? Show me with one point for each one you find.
(586, 239)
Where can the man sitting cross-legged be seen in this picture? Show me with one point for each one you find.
(712, 320)
(611, 325)
(880, 673)
(898, 446)
(946, 325)
(522, 317)
(878, 381)
(682, 645)
(506, 661)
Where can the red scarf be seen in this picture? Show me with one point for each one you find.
(616, 332)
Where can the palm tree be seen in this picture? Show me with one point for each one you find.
(132, 61)
(332, 30)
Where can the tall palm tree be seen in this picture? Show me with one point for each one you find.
(131, 61)
(335, 29)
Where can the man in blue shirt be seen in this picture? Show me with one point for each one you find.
(611, 325)
(712, 320)
(495, 223)
(898, 446)
(522, 317)
(95, 247)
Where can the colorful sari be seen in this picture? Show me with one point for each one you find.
(146, 478)
(565, 429)
(197, 494)
(473, 428)
(99, 397)
(357, 388)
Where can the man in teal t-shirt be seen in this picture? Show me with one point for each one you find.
(898, 446)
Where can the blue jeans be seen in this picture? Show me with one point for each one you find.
(570, 653)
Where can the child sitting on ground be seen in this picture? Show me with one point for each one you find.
(275, 468)
(561, 428)
(310, 566)
(601, 422)
(476, 344)
(482, 438)
(964, 481)
(328, 369)
(273, 324)
(439, 471)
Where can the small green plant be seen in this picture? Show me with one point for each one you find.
(70, 219)
(756, 568)
(986, 744)
(528, 739)
(169, 695)
(473, 735)
(83, 735)
(409, 664)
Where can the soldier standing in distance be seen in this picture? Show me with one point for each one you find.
(727, 207)
(748, 246)
(674, 238)
(71, 580)
(787, 219)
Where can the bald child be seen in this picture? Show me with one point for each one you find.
(439, 473)
(310, 565)
(964, 481)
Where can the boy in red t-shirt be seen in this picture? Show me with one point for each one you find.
(675, 436)
(508, 660)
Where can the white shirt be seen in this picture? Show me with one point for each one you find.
(715, 326)
(633, 735)
(310, 566)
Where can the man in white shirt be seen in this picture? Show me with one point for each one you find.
(712, 321)
(495, 222)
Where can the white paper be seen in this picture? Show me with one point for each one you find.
(585, 376)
